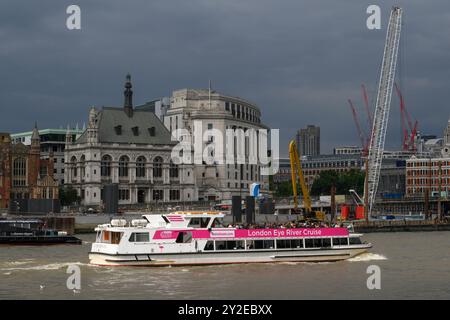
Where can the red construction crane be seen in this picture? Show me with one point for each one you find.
(408, 135)
(362, 136)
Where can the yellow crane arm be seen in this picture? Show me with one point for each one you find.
(296, 170)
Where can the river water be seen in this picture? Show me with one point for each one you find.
(413, 266)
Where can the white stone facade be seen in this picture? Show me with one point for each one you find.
(143, 172)
(212, 110)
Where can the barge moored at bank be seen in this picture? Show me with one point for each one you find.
(198, 238)
(32, 232)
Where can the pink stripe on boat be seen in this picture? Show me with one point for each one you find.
(228, 233)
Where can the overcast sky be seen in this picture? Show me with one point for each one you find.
(299, 61)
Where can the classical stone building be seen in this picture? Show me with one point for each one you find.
(131, 148)
(199, 110)
(24, 173)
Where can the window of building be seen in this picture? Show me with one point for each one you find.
(158, 194)
(106, 166)
(173, 170)
(140, 167)
(174, 195)
(73, 166)
(124, 194)
(82, 166)
(123, 166)
(157, 167)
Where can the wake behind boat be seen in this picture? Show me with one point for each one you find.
(197, 238)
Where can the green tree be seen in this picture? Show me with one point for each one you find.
(68, 196)
(343, 181)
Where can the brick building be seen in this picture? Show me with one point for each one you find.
(23, 173)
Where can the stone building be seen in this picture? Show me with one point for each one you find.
(308, 141)
(200, 110)
(131, 148)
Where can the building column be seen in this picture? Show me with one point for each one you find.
(165, 173)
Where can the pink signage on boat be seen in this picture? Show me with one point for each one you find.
(255, 233)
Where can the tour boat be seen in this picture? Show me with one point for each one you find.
(198, 238)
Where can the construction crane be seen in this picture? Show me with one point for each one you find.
(382, 106)
(362, 136)
(408, 142)
(297, 173)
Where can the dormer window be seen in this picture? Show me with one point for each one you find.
(152, 131)
(135, 131)
(118, 130)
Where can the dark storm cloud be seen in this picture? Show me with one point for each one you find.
(298, 60)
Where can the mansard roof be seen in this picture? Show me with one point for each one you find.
(141, 127)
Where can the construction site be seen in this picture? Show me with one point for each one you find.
(421, 200)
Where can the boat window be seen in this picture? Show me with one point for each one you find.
(230, 245)
(340, 241)
(283, 244)
(199, 222)
(217, 223)
(355, 240)
(184, 237)
(139, 237)
(194, 223)
(106, 235)
(326, 243)
(309, 243)
(260, 244)
(115, 237)
(209, 245)
(220, 245)
(235, 245)
(290, 244)
(296, 243)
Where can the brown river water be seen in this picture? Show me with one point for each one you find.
(413, 265)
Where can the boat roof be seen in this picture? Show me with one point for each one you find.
(215, 213)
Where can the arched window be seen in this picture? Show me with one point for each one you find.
(157, 167)
(106, 166)
(173, 171)
(82, 166)
(73, 166)
(140, 167)
(123, 166)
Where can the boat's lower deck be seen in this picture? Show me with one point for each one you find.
(209, 258)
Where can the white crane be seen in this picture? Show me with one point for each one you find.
(381, 115)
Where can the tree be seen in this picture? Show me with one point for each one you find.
(68, 196)
(343, 181)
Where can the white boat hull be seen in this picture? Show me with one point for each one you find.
(230, 257)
